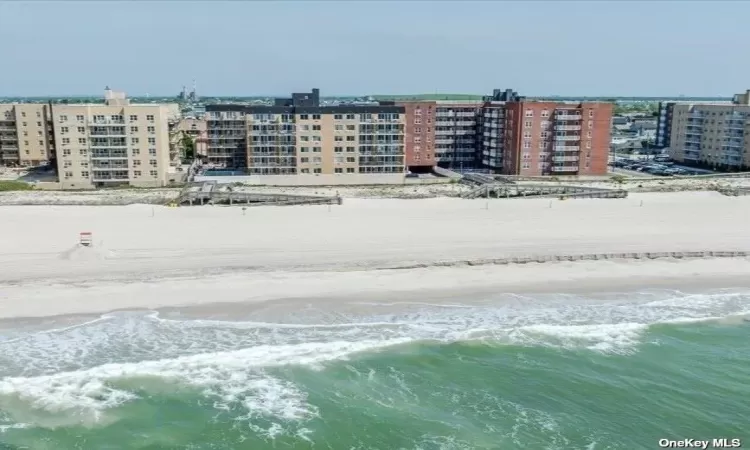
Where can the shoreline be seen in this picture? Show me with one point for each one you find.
(337, 292)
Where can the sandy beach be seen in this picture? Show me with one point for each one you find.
(153, 257)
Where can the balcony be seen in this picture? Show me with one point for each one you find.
(568, 138)
(568, 116)
(6, 128)
(566, 148)
(8, 138)
(106, 122)
(10, 148)
(565, 159)
(568, 127)
(567, 168)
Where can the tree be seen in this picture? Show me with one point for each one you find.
(188, 147)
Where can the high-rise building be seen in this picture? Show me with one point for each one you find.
(456, 134)
(298, 135)
(419, 143)
(664, 124)
(113, 143)
(712, 134)
(491, 128)
(552, 138)
(26, 137)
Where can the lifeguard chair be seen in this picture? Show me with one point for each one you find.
(85, 239)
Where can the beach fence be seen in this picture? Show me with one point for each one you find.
(581, 257)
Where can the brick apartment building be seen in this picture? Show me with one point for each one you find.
(550, 138)
(505, 133)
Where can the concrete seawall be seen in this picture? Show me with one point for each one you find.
(579, 257)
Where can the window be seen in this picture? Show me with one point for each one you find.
(317, 160)
(526, 165)
(152, 141)
(350, 128)
(316, 116)
(38, 114)
(81, 129)
(338, 170)
(417, 120)
(85, 164)
(304, 138)
(305, 171)
(304, 117)
(134, 140)
(66, 141)
(317, 170)
(151, 130)
(591, 113)
(150, 118)
(418, 130)
(417, 139)
(350, 138)
(68, 174)
(350, 170)
(304, 149)
(152, 162)
(137, 173)
(591, 124)
(133, 129)
(154, 173)
(338, 127)
(351, 159)
(338, 149)
(316, 127)
(67, 164)
(25, 142)
(80, 118)
(133, 118)
(304, 159)
(62, 129)
(136, 152)
(350, 117)
(23, 114)
(39, 124)
(316, 149)
(152, 152)
(83, 152)
(529, 113)
(85, 174)
(417, 148)
(350, 149)
(338, 138)
(316, 138)
(82, 141)
(542, 145)
(63, 118)
(527, 134)
(41, 142)
(526, 144)
(588, 144)
(136, 162)
(545, 113)
(588, 134)
(528, 124)
(338, 116)
(305, 127)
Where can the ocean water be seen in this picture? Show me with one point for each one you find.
(552, 372)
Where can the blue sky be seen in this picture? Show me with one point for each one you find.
(355, 47)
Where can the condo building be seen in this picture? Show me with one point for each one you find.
(552, 138)
(456, 134)
(26, 137)
(298, 135)
(712, 134)
(114, 143)
(491, 128)
(419, 142)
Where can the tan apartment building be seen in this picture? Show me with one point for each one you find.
(298, 136)
(552, 138)
(114, 143)
(712, 135)
(26, 137)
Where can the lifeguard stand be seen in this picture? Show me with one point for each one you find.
(85, 239)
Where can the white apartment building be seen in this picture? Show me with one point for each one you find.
(116, 143)
(715, 135)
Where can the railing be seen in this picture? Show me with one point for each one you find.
(93, 122)
(567, 138)
(568, 127)
(566, 148)
(568, 116)
(564, 168)
(565, 159)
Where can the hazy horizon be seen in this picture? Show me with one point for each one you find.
(593, 49)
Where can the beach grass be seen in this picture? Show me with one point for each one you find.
(12, 185)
